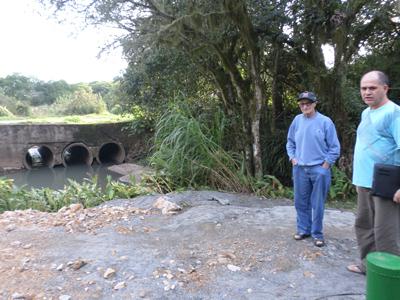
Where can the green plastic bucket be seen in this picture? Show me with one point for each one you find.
(383, 276)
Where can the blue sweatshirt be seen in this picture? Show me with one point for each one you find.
(312, 141)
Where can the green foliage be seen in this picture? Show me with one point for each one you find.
(158, 74)
(23, 109)
(116, 109)
(72, 119)
(18, 93)
(6, 193)
(190, 152)
(10, 107)
(270, 186)
(13, 107)
(8, 102)
(161, 182)
(88, 193)
(142, 122)
(116, 189)
(342, 188)
(4, 112)
(46, 93)
(18, 86)
(385, 57)
(275, 159)
(37, 118)
(81, 102)
(108, 92)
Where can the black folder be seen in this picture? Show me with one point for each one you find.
(386, 180)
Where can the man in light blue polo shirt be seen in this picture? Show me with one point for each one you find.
(312, 147)
(377, 223)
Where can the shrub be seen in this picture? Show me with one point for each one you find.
(4, 112)
(23, 109)
(8, 102)
(81, 102)
(341, 188)
(116, 109)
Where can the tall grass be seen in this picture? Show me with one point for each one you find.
(189, 152)
(275, 160)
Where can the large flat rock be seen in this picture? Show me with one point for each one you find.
(219, 246)
(129, 171)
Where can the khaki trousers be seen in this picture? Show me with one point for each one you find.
(377, 224)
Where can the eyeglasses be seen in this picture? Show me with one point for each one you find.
(306, 104)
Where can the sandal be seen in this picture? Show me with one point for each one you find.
(319, 242)
(356, 269)
(300, 236)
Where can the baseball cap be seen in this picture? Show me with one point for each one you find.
(307, 95)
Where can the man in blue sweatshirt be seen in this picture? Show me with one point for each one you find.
(312, 147)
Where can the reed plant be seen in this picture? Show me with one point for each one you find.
(189, 152)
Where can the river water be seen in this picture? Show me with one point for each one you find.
(56, 178)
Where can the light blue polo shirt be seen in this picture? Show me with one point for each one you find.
(378, 141)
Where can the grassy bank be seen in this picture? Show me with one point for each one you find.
(77, 119)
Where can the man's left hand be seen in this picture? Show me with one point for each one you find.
(325, 165)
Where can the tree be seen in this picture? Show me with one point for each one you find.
(7, 104)
(46, 93)
(346, 26)
(217, 35)
(18, 86)
(32, 91)
(80, 102)
(159, 75)
(381, 57)
(107, 91)
(257, 53)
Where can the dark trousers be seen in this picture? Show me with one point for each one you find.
(377, 224)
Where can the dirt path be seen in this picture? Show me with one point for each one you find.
(219, 246)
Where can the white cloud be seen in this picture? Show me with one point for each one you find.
(39, 47)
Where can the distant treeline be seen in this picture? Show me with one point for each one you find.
(20, 95)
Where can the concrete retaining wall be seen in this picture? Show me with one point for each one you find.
(16, 140)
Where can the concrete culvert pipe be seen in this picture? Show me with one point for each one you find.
(39, 156)
(77, 154)
(111, 153)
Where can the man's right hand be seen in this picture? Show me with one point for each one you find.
(294, 162)
(396, 197)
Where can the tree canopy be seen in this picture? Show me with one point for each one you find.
(252, 57)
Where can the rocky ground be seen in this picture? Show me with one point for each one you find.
(190, 245)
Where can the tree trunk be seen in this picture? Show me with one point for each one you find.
(331, 91)
(277, 90)
(239, 15)
(256, 109)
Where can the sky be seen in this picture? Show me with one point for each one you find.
(34, 45)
